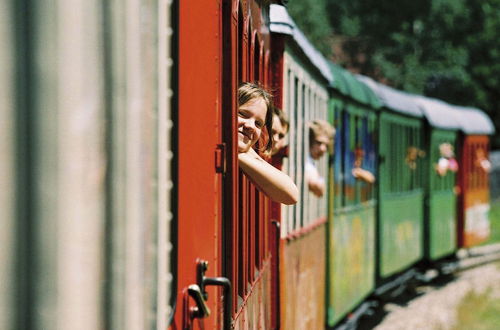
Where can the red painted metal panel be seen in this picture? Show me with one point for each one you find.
(220, 45)
(199, 133)
(473, 200)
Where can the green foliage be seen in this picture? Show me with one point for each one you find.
(447, 49)
(311, 17)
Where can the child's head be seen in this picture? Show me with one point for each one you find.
(446, 150)
(254, 116)
(359, 155)
(279, 129)
(321, 135)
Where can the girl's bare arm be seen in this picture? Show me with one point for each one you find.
(274, 183)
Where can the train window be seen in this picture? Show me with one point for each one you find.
(396, 141)
(405, 183)
(402, 139)
(477, 174)
(303, 94)
(305, 100)
(287, 163)
(346, 157)
(470, 167)
(442, 153)
(249, 231)
(391, 158)
(481, 152)
(296, 151)
(417, 159)
(337, 158)
(406, 170)
(368, 154)
(484, 173)
(292, 133)
(473, 171)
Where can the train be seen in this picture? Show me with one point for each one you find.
(123, 205)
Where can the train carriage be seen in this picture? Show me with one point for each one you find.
(89, 152)
(440, 178)
(305, 78)
(218, 204)
(473, 181)
(400, 226)
(352, 204)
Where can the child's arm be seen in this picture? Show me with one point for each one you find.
(364, 175)
(315, 182)
(271, 181)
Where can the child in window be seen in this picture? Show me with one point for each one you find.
(321, 135)
(255, 115)
(358, 172)
(279, 131)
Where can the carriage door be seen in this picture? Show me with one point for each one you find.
(246, 215)
(200, 169)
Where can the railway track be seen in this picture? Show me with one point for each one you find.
(473, 257)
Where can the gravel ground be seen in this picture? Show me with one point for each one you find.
(435, 308)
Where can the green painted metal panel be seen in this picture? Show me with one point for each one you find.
(401, 231)
(442, 224)
(351, 259)
(441, 220)
(401, 192)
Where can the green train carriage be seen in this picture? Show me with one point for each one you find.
(400, 223)
(352, 202)
(441, 166)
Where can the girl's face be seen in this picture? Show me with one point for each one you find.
(251, 121)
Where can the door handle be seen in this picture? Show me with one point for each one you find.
(225, 283)
(201, 310)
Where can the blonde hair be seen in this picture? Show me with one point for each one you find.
(249, 91)
(320, 127)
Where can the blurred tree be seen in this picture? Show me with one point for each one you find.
(311, 17)
(446, 49)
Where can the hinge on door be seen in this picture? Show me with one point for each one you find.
(220, 158)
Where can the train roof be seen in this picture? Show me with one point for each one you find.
(393, 99)
(444, 115)
(439, 113)
(281, 22)
(346, 83)
(474, 121)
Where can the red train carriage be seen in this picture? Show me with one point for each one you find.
(473, 181)
(222, 218)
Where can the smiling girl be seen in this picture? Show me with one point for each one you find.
(255, 116)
